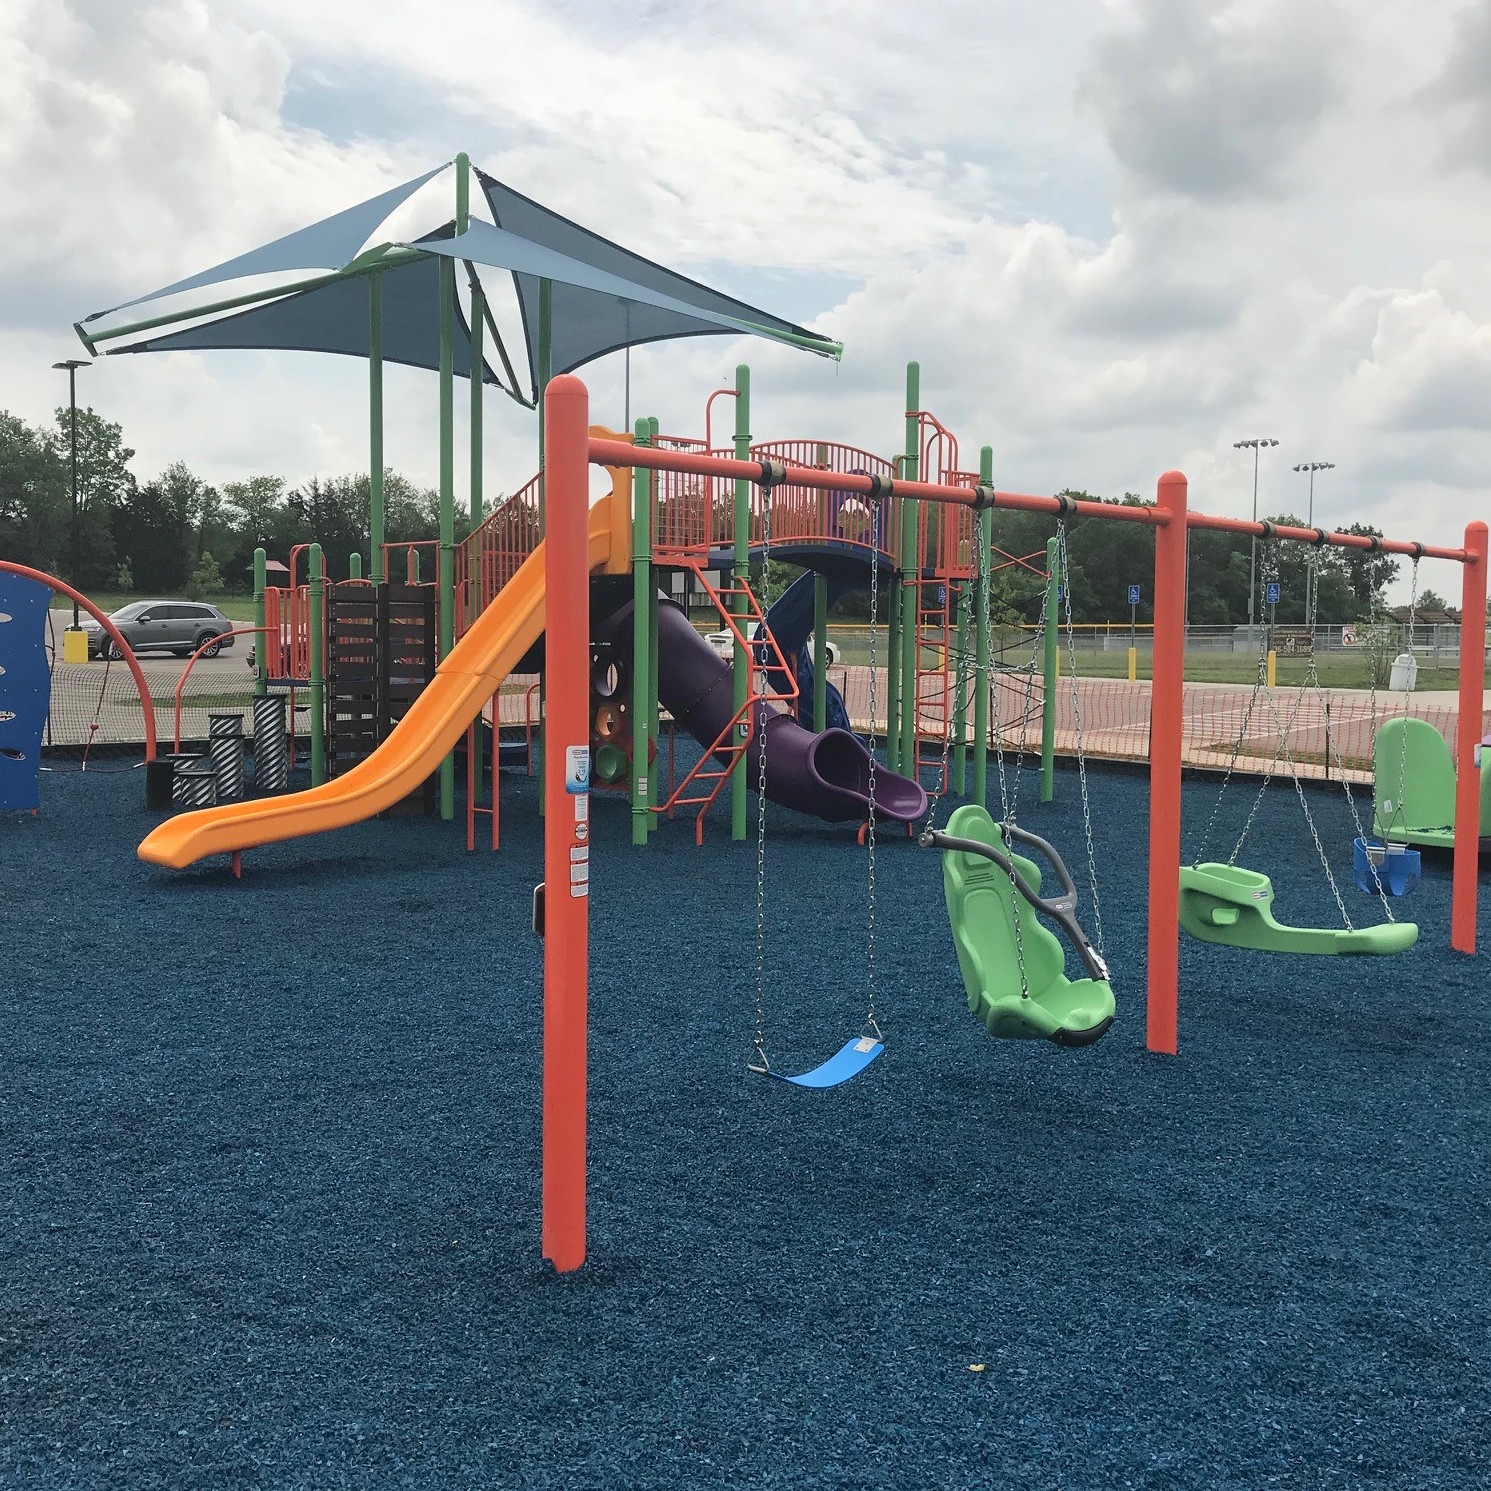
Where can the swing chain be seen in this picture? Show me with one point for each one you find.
(1071, 634)
(875, 540)
(759, 1061)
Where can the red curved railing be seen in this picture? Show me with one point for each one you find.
(147, 707)
(191, 662)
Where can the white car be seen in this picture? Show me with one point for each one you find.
(724, 643)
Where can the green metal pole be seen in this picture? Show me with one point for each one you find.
(545, 373)
(261, 641)
(820, 652)
(1048, 672)
(473, 562)
(653, 707)
(318, 666)
(960, 698)
(643, 590)
(445, 569)
(981, 659)
(376, 525)
(354, 565)
(742, 561)
(910, 576)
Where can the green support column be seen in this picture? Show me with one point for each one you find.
(643, 590)
(354, 565)
(545, 373)
(472, 576)
(985, 520)
(1048, 672)
(376, 528)
(261, 640)
(445, 569)
(960, 698)
(820, 652)
(318, 666)
(910, 576)
(742, 561)
(653, 707)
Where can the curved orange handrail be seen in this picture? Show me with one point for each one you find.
(238, 631)
(147, 708)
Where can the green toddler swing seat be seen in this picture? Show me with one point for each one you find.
(1234, 906)
(982, 907)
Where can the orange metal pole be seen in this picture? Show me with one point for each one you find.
(1472, 703)
(1167, 695)
(566, 824)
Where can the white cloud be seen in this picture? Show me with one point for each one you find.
(1117, 237)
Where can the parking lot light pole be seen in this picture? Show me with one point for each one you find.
(1312, 467)
(72, 365)
(1255, 446)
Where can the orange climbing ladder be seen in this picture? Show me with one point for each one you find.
(704, 783)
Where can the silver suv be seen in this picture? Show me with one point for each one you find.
(179, 627)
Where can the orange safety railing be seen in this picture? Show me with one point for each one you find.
(413, 571)
(493, 552)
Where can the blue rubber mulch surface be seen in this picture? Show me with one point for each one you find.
(270, 1178)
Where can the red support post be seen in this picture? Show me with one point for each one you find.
(566, 823)
(1166, 704)
(1472, 704)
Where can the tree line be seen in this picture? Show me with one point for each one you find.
(177, 534)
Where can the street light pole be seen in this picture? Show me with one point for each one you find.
(72, 365)
(1255, 446)
(1312, 467)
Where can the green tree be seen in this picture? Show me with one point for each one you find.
(206, 578)
(105, 483)
(35, 497)
(124, 578)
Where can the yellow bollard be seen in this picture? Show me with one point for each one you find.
(1133, 665)
(75, 645)
(1273, 666)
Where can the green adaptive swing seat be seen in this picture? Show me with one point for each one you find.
(981, 904)
(1222, 903)
(1413, 786)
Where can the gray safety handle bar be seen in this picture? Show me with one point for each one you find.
(1061, 909)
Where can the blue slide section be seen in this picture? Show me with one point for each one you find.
(790, 621)
(25, 689)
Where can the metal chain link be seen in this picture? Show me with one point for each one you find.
(1064, 568)
(759, 1061)
(875, 541)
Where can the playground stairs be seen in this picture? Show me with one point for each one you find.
(704, 783)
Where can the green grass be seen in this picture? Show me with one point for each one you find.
(239, 608)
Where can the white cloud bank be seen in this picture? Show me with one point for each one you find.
(1117, 237)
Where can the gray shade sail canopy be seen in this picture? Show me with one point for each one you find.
(334, 318)
(328, 244)
(606, 297)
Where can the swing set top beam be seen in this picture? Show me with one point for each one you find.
(617, 453)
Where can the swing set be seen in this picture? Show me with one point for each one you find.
(1042, 987)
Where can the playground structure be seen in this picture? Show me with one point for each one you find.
(525, 574)
(570, 448)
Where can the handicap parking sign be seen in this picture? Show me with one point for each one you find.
(1133, 595)
(1272, 593)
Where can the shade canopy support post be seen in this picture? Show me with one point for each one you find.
(985, 519)
(1050, 657)
(739, 785)
(910, 587)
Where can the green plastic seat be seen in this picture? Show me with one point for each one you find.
(1233, 906)
(981, 906)
(1412, 769)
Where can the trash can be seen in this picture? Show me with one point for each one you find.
(1405, 673)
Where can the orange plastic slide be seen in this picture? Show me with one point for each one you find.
(462, 684)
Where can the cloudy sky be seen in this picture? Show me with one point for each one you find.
(1118, 234)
